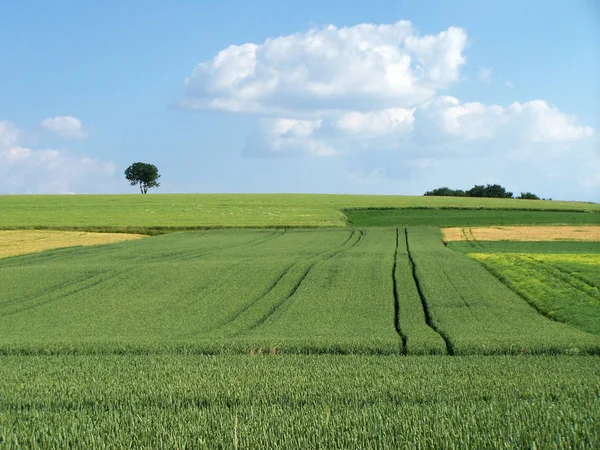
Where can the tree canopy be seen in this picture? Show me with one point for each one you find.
(146, 175)
(489, 190)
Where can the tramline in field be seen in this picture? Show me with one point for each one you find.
(292, 291)
(134, 327)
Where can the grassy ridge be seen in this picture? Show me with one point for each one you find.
(476, 313)
(298, 402)
(470, 217)
(165, 211)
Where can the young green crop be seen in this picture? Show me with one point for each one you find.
(418, 337)
(346, 296)
(525, 247)
(563, 287)
(466, 217)
(294, 291)
(213, 292)
(476, 313)
(298, 402)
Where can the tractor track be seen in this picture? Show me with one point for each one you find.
(425, 305)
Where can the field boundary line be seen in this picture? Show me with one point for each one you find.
(425, 305)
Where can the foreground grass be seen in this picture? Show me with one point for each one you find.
(161, 212)
(299, 402)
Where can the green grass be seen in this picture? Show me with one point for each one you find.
(276, 290)
(163, 212)
(291, 402)
(470, 217)
(273, 337)
(310, 291)
(418, 337)
(563, 287)
(524, 247)
(476, 313)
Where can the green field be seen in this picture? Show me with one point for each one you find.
(290, 291)
(444, 218)
(287, 326)
(555, 247)
(164, 211)
(560, 279)
(298, 402)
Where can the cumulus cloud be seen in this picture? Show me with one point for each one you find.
(27, 170)
(333, 91)
(442, 125)
(534, 122)
(362, 67)
(66, 126)
(379, 93)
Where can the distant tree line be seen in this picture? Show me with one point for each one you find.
(489, 190)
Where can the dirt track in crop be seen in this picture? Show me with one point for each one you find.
(20, 242)
(529, 233)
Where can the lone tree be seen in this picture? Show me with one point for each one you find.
(143, 174)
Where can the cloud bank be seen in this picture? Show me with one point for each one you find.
(28, 170)
(370, 90)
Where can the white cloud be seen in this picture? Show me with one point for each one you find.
(443, 125)
(485, 74)
(27, 170)
(377, 122)
(509, 84)
(533, 122)
(362, 67)
(372, 96)
(66, 126)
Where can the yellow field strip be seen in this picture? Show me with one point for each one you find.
(524, 233)
(20, 242)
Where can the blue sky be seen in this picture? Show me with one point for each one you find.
(373, 97)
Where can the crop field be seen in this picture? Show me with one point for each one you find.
(466, 218)
(19, 242)
(364, 333)
(531, 233)
(298, 402)
(564, 287)
(164, 212)
(292, 291)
